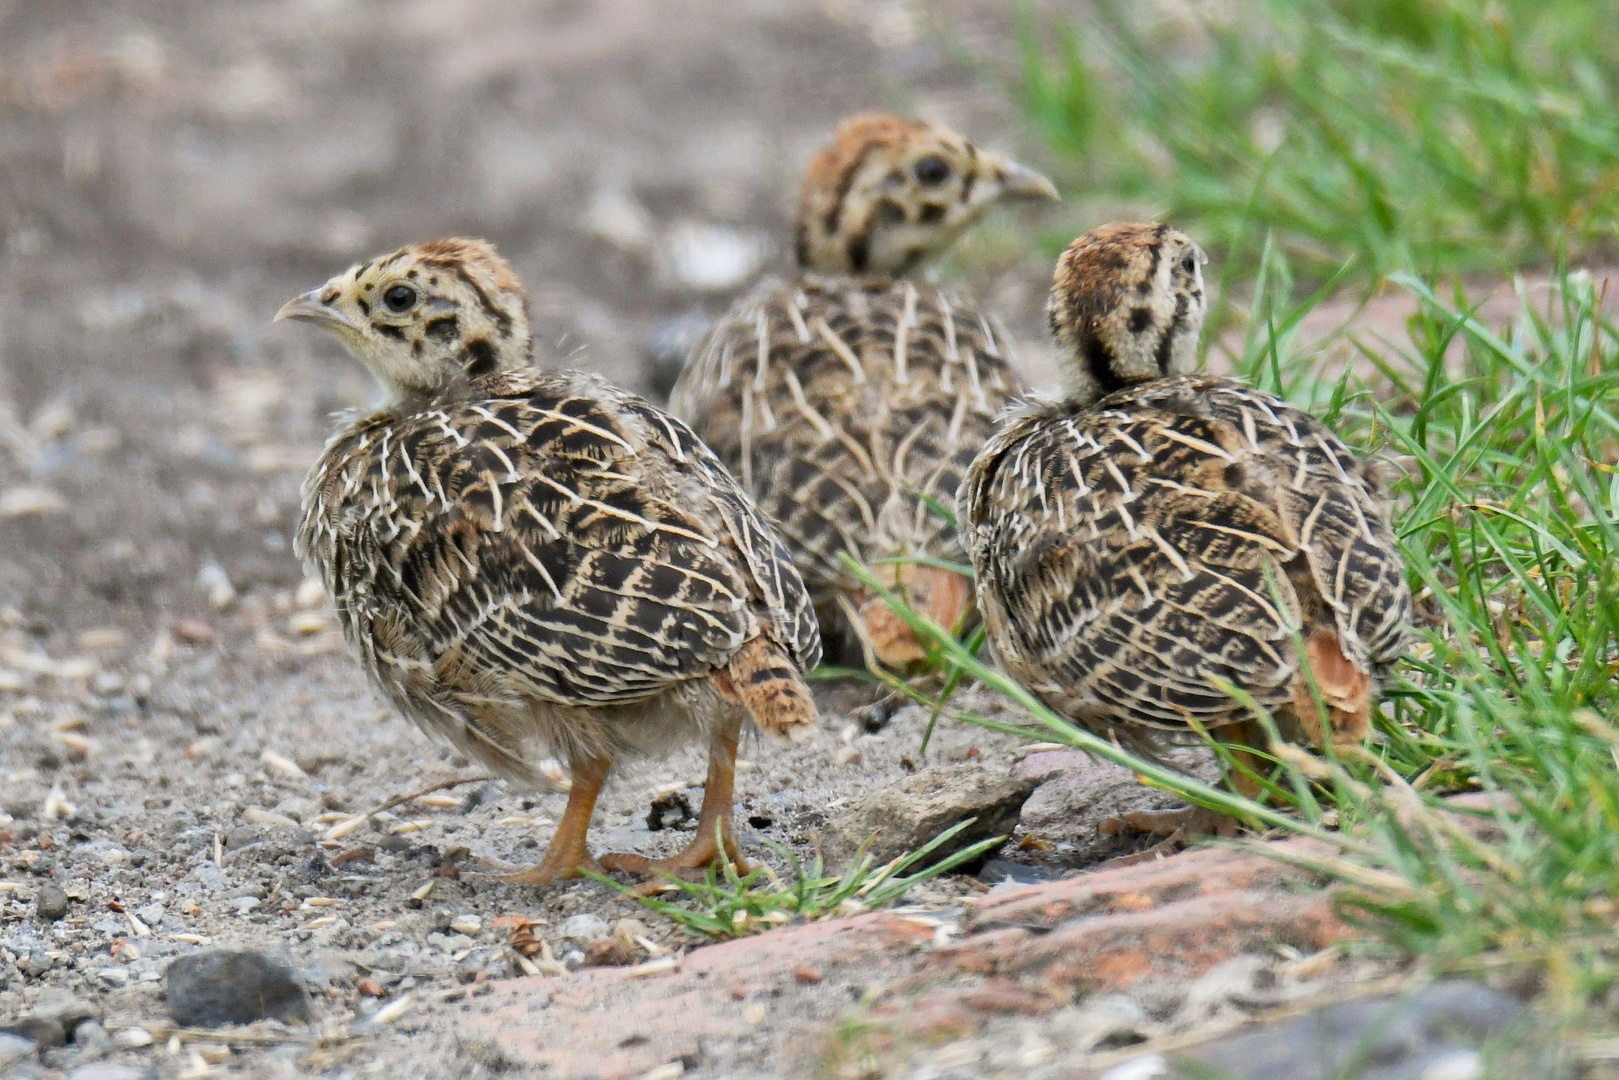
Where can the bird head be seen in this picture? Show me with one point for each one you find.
(424, 315)
(1127, 305)
(889, 194)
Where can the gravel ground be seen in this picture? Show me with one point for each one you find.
(179, 727)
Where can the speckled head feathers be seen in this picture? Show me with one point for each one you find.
(1127, 305)
(425, 315)
(888, 194)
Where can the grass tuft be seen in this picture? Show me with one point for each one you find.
(1417, 135)
(727, 904)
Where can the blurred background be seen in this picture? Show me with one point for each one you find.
(173, 171)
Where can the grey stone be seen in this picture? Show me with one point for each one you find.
(51, 904)
(65, 1008)
(225, 986)
(91, 1036)
(42, 1031)
(241, 836)
(584, 927)
(111, 1070)
(1005, 872)
(150, 914)
(906, 816)
(1106, 1022)
(1434, 1028)
(14, 1049)
(38, 963)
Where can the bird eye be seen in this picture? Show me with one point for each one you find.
(400, 298)
(1189, 264)
(931, 170)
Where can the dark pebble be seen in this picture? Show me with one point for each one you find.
(488, 793)
(998, 870)
(51, 904)
(877, 716)
(669, 812)
(225, 986)
(394, 845)
(241, 836)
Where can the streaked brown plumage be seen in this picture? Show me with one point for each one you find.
(533, 563)
(848, 399)
(1135, 550)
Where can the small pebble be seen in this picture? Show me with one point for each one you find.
(226, 986)
(133, 1038)
(584, 927)
(91, 1036)
(51, 904)
(470, 925)
(670, 811)
(108, 1070)
(38, 963)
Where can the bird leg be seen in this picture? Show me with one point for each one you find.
(718, 797)
(568, 857)
(1242, 739)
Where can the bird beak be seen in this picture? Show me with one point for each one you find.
(309, 308)
(1020, 181)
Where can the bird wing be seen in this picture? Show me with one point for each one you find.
(1133, 557)
(845, 405)
(552, 538)
(1339, 511)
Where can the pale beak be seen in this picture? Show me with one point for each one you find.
(1020, 181)
(309, 308)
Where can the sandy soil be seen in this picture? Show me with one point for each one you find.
(178, 724)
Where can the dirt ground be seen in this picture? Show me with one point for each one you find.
(179, 726)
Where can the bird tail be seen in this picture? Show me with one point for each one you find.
(768, 684)
(940, 594)
(1345, 689)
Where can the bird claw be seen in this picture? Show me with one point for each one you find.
(542, 873)
(1172, 824)
(684, 865)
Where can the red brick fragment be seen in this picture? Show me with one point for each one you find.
(1004, 996)
(941, 1016)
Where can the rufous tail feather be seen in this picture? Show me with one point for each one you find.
(765, 680)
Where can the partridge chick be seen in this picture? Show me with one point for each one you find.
(532, 563)
(1156, 534)
(849, 398)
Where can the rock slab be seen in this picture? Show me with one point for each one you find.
(904, 817)
(225, 986)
